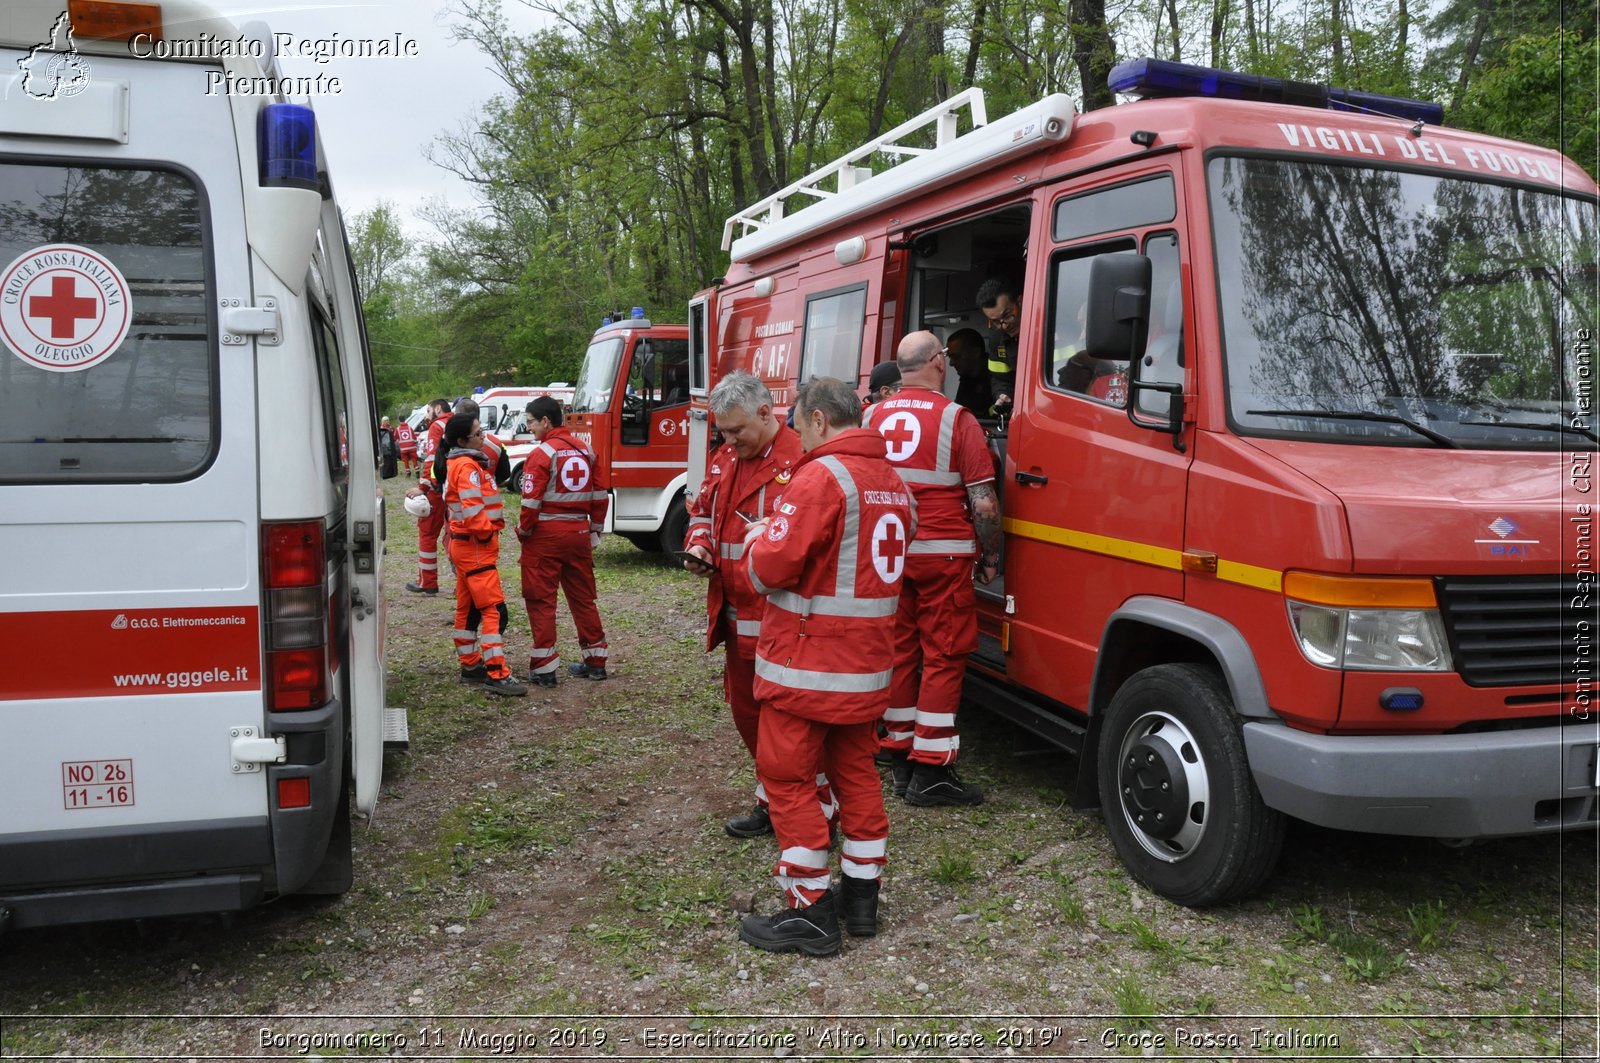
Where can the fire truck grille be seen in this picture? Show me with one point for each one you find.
(1511, 631)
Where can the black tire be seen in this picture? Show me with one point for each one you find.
(1175, 788)
(650, 542)
(335, 875)
(675, 525)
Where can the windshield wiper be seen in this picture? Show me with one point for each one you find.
(1537, 426)
(1362, 415)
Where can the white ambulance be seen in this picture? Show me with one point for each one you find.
(193, 692)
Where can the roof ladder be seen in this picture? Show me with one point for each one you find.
(849, 169)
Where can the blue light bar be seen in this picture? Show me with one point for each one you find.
(638, 312)
(286, 144)
(1160, 78)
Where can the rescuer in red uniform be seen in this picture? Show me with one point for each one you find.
(829, 562)
(428, 527)
(407, 439)
(475, 520)
(939, 449)
(743, 482)
(564, 504)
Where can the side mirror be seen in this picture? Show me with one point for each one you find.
(1118, 311)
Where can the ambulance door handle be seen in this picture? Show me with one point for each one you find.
(1032, 478)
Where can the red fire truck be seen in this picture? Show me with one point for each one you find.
(631, 405)
(1325, 551)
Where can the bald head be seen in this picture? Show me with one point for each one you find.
(919, 357)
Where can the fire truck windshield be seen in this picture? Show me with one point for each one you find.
(1379, 306)
(598, 376)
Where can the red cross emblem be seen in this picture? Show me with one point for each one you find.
(889, 548)
(902, 432)
(574, 473)
(63, 308)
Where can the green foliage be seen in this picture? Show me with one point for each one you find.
(1543, 92)
(630, 131)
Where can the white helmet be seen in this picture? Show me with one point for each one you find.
(418, 506)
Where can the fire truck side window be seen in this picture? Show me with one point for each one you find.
(1150, 201)
(657, 377)
(835, 322)
(1066, 367)
(1163, 351)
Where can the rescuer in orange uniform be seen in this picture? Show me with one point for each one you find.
(939, 449)
(829, 562)
(743, 481)
(564, 503)
(428, 527)
(499, 466)
(475, 520)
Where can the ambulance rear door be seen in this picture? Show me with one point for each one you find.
(130, 553)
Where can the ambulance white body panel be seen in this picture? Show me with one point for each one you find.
(193, 530)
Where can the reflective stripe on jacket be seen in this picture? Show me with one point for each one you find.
(928, 438)
(717, 522)
(563, 488)
(830, 564)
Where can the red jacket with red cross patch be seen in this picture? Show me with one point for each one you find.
(830, 565)
(563, 488)
(737, 488)
(938, 448)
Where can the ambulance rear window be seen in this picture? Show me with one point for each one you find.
(106, 366)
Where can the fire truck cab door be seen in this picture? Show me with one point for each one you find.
(1093, 504)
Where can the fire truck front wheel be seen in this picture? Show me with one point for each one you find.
(1176, 792)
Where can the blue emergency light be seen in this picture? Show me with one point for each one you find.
(638, 313)
(286, 144)
(1161, 78)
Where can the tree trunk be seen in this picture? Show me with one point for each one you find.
(1172, 23)
(969, 73)
(1219, 24)
(1470, 60)
(1093, 52)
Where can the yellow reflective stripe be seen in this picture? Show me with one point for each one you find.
(1144, 553)
(1231, 571)
(1265, 579)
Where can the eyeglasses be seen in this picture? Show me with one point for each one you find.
(1009, 317)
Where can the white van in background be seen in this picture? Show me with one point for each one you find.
(195, 681)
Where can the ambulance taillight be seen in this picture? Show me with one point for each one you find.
(294, 566)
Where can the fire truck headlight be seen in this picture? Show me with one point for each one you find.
(1381, 640)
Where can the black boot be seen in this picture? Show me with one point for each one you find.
(936, 784)
(753, 825)
(813, 930)
(858, 906)
(901, 767)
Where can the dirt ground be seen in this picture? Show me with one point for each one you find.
(548, 878)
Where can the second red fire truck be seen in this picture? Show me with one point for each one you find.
(1325, 549)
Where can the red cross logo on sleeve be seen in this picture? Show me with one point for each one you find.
(889, 548)
(574, 474)
(902, 432)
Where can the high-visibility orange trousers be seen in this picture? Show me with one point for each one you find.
(790, 752)
(552, 559)
(478, 589)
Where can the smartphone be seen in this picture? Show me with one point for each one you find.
(685, 555)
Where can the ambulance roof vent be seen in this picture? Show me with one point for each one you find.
(764, 226)
(1161, 78)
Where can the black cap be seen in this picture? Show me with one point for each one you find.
(883, 375)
